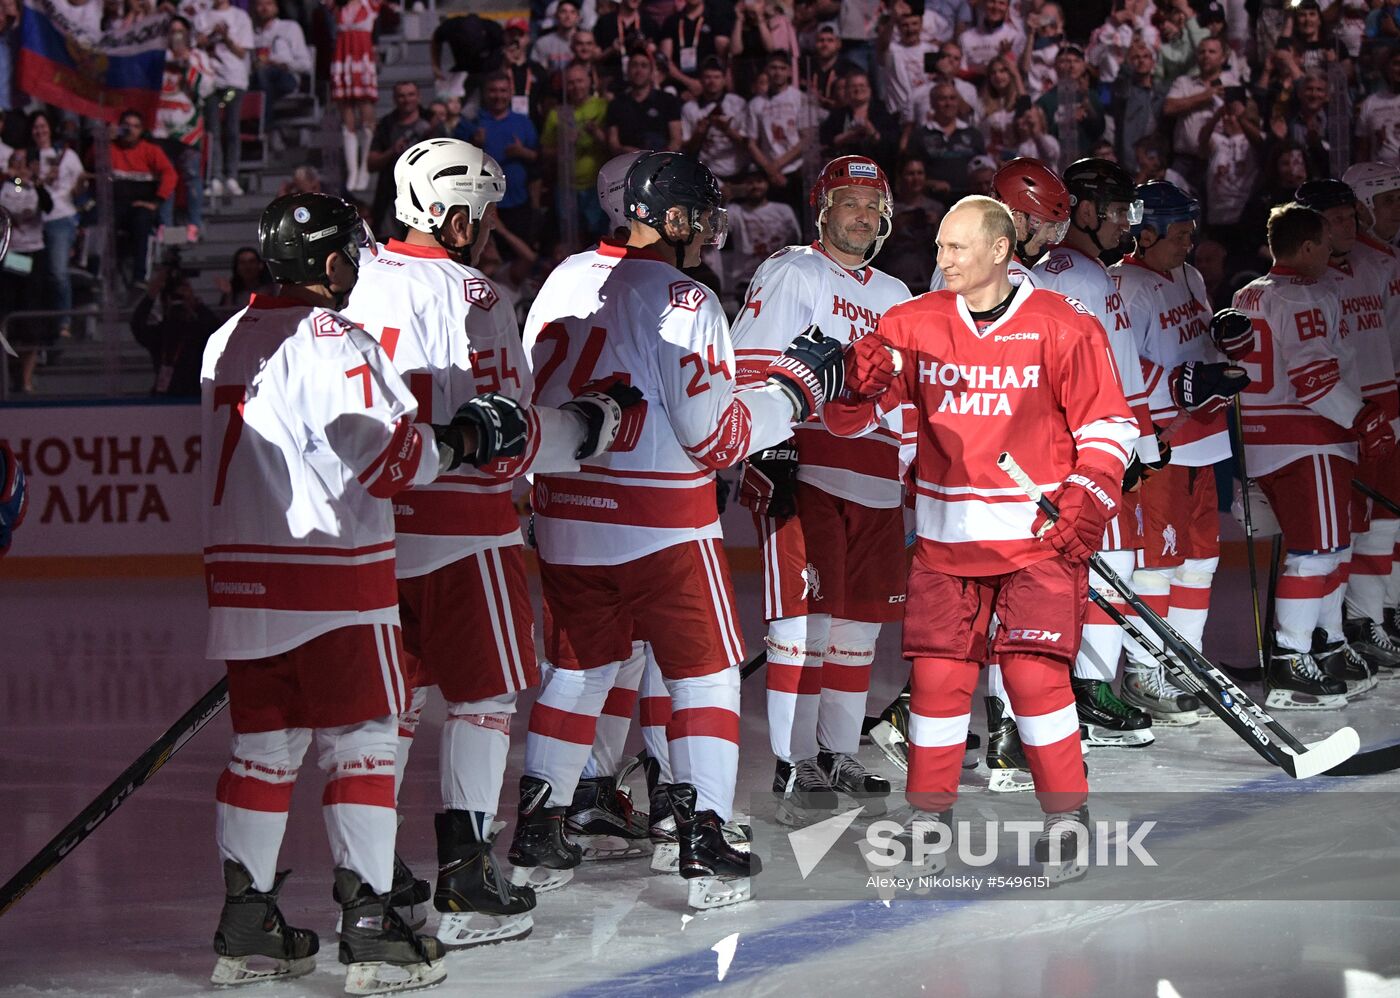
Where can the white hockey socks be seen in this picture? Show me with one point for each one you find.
(655, 713)
(704, 734)
(1190, 598)
(1102, 642)
(408, 730)
(563, 723)
(358, 801)
(996, 687)
(254, 794)
(1303, 587)
(615, 721)
(366, 139)
(475, 743)
(1154, 587)
(796, 653)
(1371, 566)
(845, 684)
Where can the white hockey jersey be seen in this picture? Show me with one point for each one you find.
(1386, 261)
(800, 286)
(1301, 400)
(1085, 279)
(618, 310)
(1170, 319)
(1362, 282)
(307, 432)
(452, 337)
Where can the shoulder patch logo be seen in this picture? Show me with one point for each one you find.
(1058, 264)
(481, 294)
(687, 295)
(1078, 306)
(326, 324)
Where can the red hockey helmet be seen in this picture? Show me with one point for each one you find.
(855, 171)
(1032, 188)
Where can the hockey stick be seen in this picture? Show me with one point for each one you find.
(1379, 498)
(1266, 736)
(1249, 540)
(117, 791)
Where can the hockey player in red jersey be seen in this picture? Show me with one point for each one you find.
(1039, 205)
(629, 545)
(1189, 384)
(463, 595)
(1304, 421)
(310, 432)
(1377, 189)
(1104, 205)
(1363, 277)
(829, 511)
(991, 367)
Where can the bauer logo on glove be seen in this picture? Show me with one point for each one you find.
(1199, 387)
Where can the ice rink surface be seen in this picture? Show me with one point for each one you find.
(93, 671)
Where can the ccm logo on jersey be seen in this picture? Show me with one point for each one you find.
(1031, 634)
(481, 294)
(687, 295)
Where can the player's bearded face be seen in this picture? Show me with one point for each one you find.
(853, 220)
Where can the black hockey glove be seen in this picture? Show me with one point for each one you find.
(1139, 471)
(811, 370)
(768, 483)
(1197, 386)
(722, 488)
(1233, 333)
(500, 427)
(612, 417)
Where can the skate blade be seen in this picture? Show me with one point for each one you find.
(231, 971)
(1293, 700)
(1359, 688)
(541, 878)
(666, 857)
(462, 930)
(604, 847)
(705, 893)
(415, 916)
(874, 806)
(792, 815)
(1063, 873)
(379, 978)
(1107, 738)
(1175, 719)
(892, 745)
(1009, 781)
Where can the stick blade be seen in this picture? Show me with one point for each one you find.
(1321, 756)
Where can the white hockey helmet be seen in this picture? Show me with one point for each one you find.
(611, 182)
(436, 175)
(1369, 179)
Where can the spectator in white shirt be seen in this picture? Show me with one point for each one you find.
(758, 228)
(552, 50)
(903, 71)
(992, 36)
(1378, 120)
(280, 55)
(1047, 27)
(1233, 140)
(715, 126)
(226, 34)
(776, 144)
(1192, 100)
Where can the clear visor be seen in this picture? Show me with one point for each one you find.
(713, 225)
(1135, 209)
(360, 245)
(1054, 232)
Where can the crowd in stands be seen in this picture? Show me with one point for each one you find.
(1236, 104)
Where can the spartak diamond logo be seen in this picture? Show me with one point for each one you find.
(481, 294)
(687, 295)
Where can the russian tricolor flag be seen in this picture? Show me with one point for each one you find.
(97, 77)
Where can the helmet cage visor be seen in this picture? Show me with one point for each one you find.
(711, 223)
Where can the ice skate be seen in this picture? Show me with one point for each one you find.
(1373, 642)
(889, 733)
(477, 903)
(1392, 624)
(1063, 848)
(542, 856)
(1294, 682)
(382, 954)
(1106, 720)
(602, 821)
(1340, 661)
(1006, 762)
(929, 855)
(409, 895)
(847, 776)
(807, 795)
(1149, 689)
(718, 873)
(251, 925)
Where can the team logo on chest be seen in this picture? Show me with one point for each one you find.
(481, 294)
(687, 295)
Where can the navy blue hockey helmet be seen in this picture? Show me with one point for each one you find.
(1163, 204)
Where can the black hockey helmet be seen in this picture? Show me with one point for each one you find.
(1103, 182)
(1319, 195)
(660, 181)
(298, 231)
